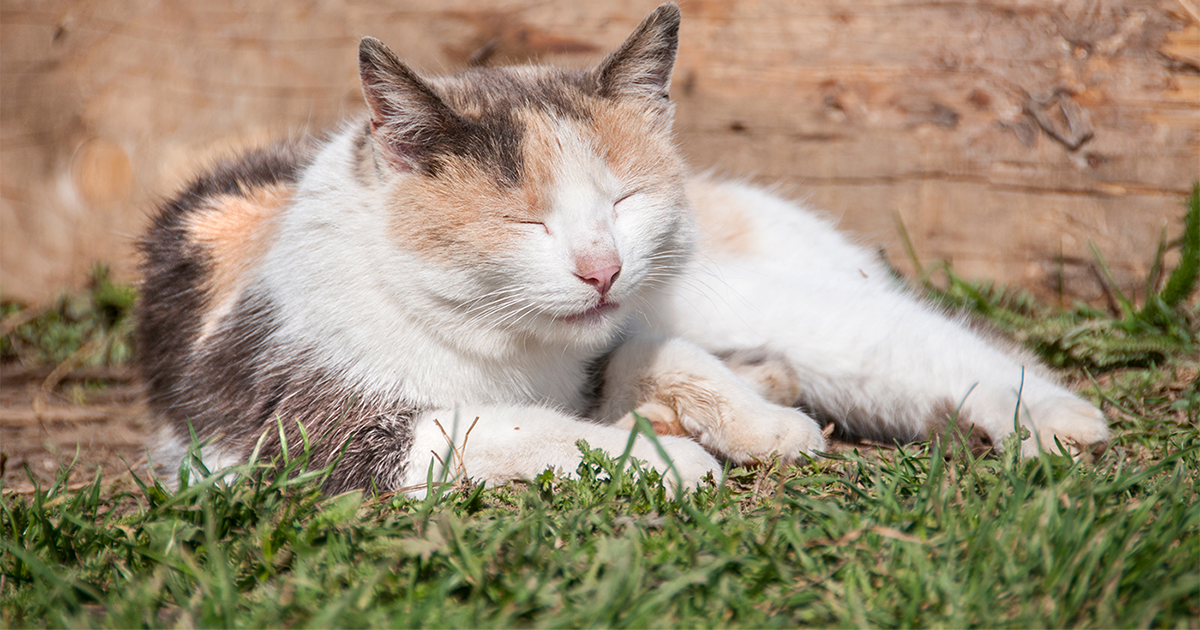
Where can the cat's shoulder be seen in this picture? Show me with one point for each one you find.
(203, 244)
(257, 175)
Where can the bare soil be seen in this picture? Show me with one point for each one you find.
(94, 417)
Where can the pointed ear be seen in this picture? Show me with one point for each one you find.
(642, 65)
(407, 117)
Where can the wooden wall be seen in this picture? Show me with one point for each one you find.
(1005, 133)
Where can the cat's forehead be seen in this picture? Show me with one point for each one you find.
(516, 121)
(497, 93)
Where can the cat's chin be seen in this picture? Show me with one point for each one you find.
(594, 315)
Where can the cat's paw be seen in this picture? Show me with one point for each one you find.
(1053, 415)
(662, 417)
(762, 431)
(688, 458)
(1076, 424)
(740, 427)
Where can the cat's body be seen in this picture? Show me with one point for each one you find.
(518, 245)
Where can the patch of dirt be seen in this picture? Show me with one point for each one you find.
(94, 417)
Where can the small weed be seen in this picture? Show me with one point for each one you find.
(94, 327)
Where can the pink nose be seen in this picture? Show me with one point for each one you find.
(601, 279)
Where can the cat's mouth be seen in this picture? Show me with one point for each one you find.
(593, 314)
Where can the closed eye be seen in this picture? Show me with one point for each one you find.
(528, 222)
(624, 197)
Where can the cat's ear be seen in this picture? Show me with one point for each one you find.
(407, 116)
(642, 65)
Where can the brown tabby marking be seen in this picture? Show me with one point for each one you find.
(463, 213)
(636, 154)
(456, 216)
(670, 395)
(953, 426)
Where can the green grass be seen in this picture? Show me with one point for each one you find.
(904, 537)
(909, 539)
(94, 327)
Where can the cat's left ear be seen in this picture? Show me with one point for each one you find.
(642, 66)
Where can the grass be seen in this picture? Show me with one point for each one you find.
(909, 539)
(91, 328)
(872, 537)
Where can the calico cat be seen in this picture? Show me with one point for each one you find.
(522, 251)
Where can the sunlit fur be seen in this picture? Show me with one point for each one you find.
(517, 250)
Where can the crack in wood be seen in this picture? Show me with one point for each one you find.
(1108, 189)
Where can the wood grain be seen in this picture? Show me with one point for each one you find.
(1005, 134)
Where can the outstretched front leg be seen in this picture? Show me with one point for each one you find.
(684, 390)
(495, 444)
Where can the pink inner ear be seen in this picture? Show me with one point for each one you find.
(401, 156)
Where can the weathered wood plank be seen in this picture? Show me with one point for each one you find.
(1006, 134)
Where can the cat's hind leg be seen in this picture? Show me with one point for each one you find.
(870, 355)
(883, 365)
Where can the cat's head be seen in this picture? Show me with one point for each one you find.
(545, 200)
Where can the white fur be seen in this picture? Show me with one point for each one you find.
(519, 443)
(449, 338)
(721, 411)
(862, 345)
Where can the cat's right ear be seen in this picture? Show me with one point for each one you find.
(407, 117)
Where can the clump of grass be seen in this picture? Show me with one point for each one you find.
(1165, 308)
(94, 327)
(905, 537)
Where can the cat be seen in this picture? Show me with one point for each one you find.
(514, 259)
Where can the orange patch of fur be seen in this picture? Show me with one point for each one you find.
(462, 215)
(235, 230)
(724, 223)
(632, 141)
(664, 398)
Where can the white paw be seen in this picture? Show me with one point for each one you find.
(727, 418)
(688, 458)
(1076, 424)
(754, 432)
(758, 432)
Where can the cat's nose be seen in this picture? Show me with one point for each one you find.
(602, 279)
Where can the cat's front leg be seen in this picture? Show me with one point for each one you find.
(682, 389)
(496, 444)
